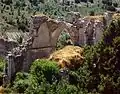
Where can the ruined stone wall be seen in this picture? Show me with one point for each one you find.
(45, 33)
(93, 31)
(43, 36)
(108, 17)
(2, 47)
(5, 46)
(90, 30)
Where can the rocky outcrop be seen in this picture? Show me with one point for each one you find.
(69, 57)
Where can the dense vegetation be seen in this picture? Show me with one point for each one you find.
(2, 64)
(63, 40)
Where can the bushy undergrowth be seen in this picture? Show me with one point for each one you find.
(46, 77)
(62, 40)
(104, 62)
(2, 64)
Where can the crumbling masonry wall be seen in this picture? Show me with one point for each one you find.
(43, 36)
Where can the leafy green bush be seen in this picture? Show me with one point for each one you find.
(92, 13)
(2, 64)
(21, 82)
(42, 75)
(115, 4)
(45, 68)
(45, 77)
(62, 40)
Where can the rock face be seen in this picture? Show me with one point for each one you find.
(69, 56)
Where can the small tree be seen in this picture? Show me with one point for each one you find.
(111, 8)
(115, 4)
(92, 13)
(7, 2)
(91, 1)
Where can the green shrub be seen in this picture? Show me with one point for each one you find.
(45, 68)
(21, 82)
(2, 64)
(115, 4)
(104, 62)
(62, 40)
(92, 13)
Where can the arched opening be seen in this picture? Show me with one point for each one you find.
(63, 40)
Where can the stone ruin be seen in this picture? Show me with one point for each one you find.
(43, 36)
(5, 46)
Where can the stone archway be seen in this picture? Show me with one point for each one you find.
(47, 34)
(44, 39)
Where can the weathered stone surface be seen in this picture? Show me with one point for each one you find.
(108, 17)
(2, 47)
(90, 29)
(43, 37)
(82, 31)
(37, 20)
(6, 45)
